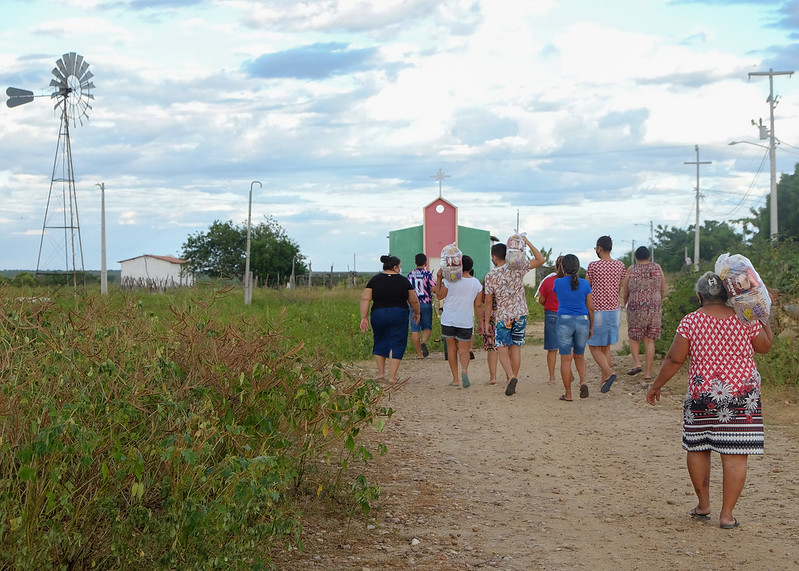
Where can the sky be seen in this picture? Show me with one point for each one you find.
(574, 117)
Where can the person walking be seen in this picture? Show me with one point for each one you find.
(462, 298)
(574, 324)
(505, 284)
(547, 297)
(605, 276)
(722, 410)
(643, 290)
(389, 294)
(423, 283)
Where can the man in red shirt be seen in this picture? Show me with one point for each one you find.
(549, 300)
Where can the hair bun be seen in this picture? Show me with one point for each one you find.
(385, 258)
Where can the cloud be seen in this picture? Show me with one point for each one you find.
(315, 61)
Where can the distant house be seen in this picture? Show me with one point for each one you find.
(156, 273)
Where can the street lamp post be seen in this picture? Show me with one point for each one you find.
(103, 268)
(247, 280)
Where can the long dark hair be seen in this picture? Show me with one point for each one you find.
(390, 262)
(571, 265)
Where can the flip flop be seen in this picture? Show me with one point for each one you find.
(634, 371)
(491, 383)
(425, 350)
(564, 399)
(583, 391)
(606, 385)
(732, 525)
(511, 388)
(695, 515)
(454, 385)
(465, 381)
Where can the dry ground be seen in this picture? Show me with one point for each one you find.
(474, 480)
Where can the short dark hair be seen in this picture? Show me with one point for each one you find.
(605, 243)
(499, 250)
(468, 264)
(642, 253)
(421, 260)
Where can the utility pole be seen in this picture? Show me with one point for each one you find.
(697, 162)
(771, 149)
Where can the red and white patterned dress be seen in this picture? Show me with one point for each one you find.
(722, 407)
(645, 303)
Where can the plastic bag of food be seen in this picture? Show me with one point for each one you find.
(515, 256)
(452, 262)
(746, 292)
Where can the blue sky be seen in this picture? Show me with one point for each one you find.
(577, 115)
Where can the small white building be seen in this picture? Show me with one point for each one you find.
(155, 273)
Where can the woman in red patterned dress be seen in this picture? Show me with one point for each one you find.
(722, 408)
(643, 290)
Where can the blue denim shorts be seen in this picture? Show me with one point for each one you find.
(572, 334)
(550, 331)
(510, 332)
(606, 328)
(425, 318)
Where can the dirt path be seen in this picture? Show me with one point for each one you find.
(474, 479)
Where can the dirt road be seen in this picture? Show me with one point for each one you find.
(474, 479)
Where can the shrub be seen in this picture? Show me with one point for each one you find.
(133, 439)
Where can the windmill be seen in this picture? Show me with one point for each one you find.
(72, 88)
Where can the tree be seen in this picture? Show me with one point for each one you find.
(787, 209)
(221, 251)
(715, 238)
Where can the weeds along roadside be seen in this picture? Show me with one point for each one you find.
(136, 431)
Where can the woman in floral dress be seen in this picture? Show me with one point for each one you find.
(722, 408)
(643, 289)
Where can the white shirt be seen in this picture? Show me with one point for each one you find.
(459, 303)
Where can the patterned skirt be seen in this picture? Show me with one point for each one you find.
(724, 424)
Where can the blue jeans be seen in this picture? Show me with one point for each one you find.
(572, 334)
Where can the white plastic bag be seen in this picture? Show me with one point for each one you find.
(452, 262)
(746, 292)
(515, 256)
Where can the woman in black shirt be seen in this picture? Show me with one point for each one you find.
(389, 293)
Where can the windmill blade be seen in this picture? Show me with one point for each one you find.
(83, 69)
(59, 76)
(79, 63)
(89, 86)
(69, 63)
(62, 68)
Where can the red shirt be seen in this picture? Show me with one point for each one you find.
(545, 291)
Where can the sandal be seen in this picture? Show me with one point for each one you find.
(564, 399)
(583, 391)
(634, 371)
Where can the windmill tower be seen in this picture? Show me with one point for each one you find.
(60, 242)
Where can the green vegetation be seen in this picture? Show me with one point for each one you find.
(148, 431)
(218, 252)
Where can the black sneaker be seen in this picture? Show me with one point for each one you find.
(425, 352)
